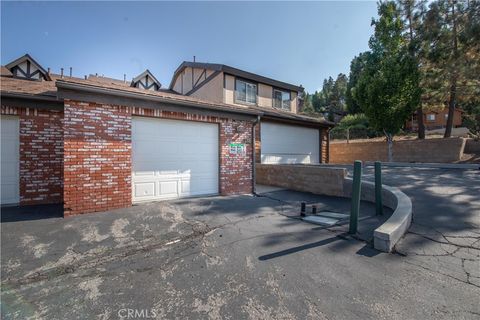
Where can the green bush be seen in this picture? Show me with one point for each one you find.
(353, 120)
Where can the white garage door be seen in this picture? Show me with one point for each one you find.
(282, 143)
(173, 159)
(9, 160)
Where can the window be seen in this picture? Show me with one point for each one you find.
(431, 117)
(281, 99)
(245, 92)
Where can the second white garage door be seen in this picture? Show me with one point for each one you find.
(282, 143)
(173, 159)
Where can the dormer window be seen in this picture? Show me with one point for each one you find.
(281, 99)
(245, 92)
(27, 68)
(146, 81)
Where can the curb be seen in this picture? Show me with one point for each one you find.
(391, 231)
(467, 166)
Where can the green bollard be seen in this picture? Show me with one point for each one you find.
(356, 188)
(378, 188)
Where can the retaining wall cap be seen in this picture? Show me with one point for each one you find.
(390, 232)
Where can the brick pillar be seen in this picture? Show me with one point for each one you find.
(97, 157)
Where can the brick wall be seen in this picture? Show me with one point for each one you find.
(41, 152)
(428, 150)
(236, 169)
(97, 164)
(98, 154)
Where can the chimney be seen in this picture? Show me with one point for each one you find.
(85, 77)
(61, 72)
(193, 58)
(124, 78)
(96, 74)
(70, 72)
(48, 70)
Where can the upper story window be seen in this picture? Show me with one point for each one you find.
(430, 117)
(281, 99)
(245, 92)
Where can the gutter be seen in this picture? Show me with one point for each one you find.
(127, 94)
(254, 184)
(29, 96)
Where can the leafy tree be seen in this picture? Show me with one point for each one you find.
(307, 104)
(356, 67)
(332, 97)
(388, 87)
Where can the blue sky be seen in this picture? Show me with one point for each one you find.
(295, 42)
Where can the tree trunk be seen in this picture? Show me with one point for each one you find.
(389, 146)
(453, 79)
(451, 108)
(409, 8)
(420, 123)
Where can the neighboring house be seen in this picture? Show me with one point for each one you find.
(435, 120)
(282, 128)
(98, 143)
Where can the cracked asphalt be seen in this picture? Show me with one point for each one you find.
(242, 257)
(445, 234)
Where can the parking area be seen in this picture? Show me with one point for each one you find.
(236, 257)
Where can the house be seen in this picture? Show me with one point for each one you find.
(97, 143)
(281, 127)
(435, 120)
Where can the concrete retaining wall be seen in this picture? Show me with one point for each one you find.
(428, 150)
(308, 178)
(391, 231)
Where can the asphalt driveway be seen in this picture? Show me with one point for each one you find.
(213, 258)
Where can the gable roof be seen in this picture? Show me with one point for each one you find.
(146, 73)
(235, 72)
(24, 58)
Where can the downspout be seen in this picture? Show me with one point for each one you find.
(254, 191)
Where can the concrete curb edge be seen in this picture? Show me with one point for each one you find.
(391, 231)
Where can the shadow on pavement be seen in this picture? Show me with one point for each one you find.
(28, 213)
(299, 248)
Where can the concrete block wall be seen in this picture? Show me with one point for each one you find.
(41, 154)
(472, 146)
(308, 178)
(428, 150)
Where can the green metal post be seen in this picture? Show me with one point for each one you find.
(378, 188)
(356, 188)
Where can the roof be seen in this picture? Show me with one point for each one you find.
(235, 72)
(279, 114)
(160, 96)
(28, 57)
(48, 90)
(5, 72)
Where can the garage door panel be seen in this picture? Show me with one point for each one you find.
(289, 144)
(179, 157)
(142, 190)
(10, 164)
